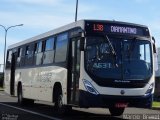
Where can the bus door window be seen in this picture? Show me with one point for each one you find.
(75, 70)
(35, 52)
(61, 48)
(78, 57)
(12, 78)
(9, 57)
(19, 54)
(26, 55)
(22, 61)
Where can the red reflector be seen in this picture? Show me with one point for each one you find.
(121, 105)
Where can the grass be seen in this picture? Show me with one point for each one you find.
(156, 104)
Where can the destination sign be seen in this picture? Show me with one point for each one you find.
(125, 30)
(115, 28)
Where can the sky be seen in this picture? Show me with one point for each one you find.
(39, 16)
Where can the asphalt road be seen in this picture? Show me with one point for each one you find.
(9, 110)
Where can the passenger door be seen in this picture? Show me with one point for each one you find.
(74, 70)
(12, 79)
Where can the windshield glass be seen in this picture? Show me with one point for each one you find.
(132, 58)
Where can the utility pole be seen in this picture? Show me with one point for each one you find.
(6, 30)
(76, 10)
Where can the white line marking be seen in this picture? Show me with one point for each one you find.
(32, 112)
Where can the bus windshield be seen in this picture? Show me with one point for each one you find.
(132, 60)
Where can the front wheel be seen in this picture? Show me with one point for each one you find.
(59, 107)
(116, 111)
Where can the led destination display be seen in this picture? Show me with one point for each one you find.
(112, 28)
(125, 30)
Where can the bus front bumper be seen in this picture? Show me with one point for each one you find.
(87, 100)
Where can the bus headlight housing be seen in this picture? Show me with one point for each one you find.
(89, 87)
(149, 91)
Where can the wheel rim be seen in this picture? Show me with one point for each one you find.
(60, 102)
(20, 96)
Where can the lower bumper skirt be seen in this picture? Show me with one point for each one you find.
(90, 100)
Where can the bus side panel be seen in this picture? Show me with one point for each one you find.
(48, 76)
(38, 82)
(24, 76)
(7, 81)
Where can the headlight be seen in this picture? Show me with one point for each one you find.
(90, 87)
(149, 91)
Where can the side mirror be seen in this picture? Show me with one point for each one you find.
(82, 39)
(154, 45)
(153, 39)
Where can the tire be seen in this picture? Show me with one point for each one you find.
(22, 101)
(59, 108)
(116, 111)
(20, 96)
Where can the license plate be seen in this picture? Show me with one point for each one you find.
(121, 105)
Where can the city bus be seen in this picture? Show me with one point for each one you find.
(86, 64)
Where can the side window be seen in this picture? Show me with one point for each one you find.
(48, 56)
(148, 54)
(49, 44)
(9, 57)
(142, 54)
(29, 54)
(43, 45)
(35, 48)
(39, 47)
(27, 50)
(145, 53)
(19, 54)
(38, 50)
(61, 47)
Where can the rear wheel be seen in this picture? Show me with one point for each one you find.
(116, 111)
(22, 101)
(20, 96)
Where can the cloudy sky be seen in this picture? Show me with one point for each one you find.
(39, 16)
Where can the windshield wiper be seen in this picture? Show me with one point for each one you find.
(112, 49)
(111, 46)
(132, 47)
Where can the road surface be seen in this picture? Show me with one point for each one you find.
(9, 110)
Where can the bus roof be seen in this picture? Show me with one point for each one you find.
(80, 23)
(117, 22)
